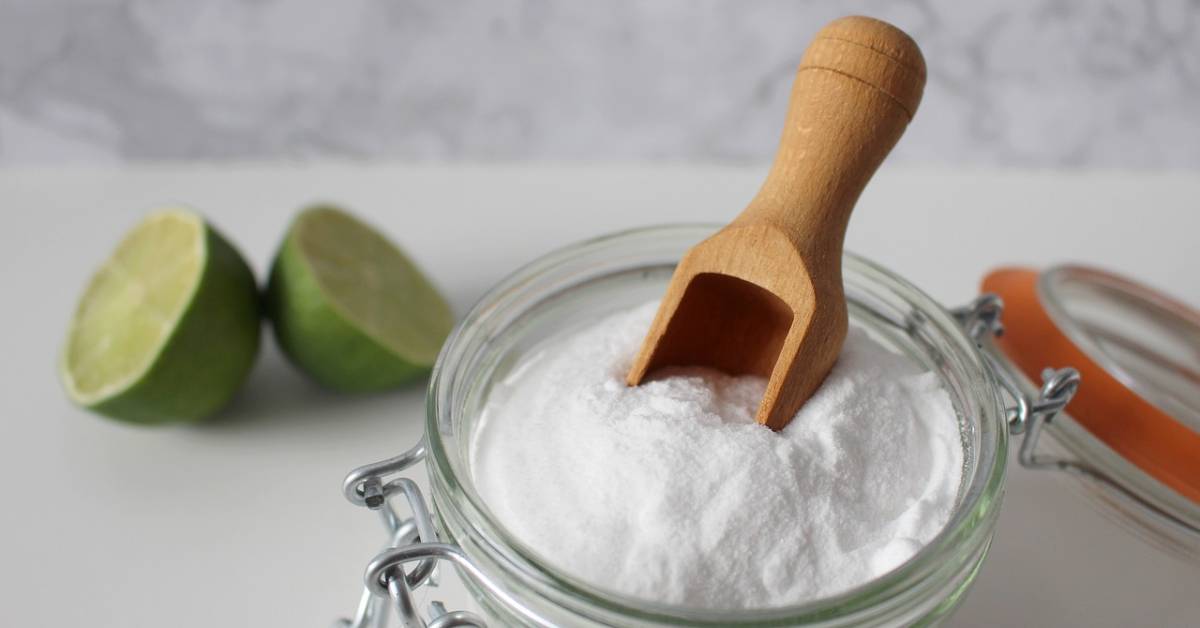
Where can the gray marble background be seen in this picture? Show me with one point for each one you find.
(1070, 83)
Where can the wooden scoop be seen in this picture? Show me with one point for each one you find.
(764, 295)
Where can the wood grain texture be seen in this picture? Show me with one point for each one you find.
(764, 295)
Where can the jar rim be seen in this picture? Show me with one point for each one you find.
(979, 501)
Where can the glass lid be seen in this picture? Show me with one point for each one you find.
(1146, 340)
(1137, 352)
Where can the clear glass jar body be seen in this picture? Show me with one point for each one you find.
(581, 283)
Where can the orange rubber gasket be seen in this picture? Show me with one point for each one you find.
(1134, 428)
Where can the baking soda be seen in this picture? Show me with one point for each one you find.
(671, 492)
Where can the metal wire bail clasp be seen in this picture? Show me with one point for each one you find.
(410, 540)
(981, 319)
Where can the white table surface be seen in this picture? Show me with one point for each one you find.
(240, 522)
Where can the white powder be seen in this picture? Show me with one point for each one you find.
(670, 492)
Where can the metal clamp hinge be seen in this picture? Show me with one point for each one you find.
(981, 320)
(412, 539)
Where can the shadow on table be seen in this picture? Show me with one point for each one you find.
(278, 395)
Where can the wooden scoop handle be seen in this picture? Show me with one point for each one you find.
(858, 85)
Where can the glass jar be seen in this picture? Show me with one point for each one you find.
(577, 285)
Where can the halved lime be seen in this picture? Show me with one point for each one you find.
(168, 328)
(349, 308)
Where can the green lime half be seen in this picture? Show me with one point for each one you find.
(167, 329)
(350, 308)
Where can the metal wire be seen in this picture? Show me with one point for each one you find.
(377, 570)
(386, 580)
(452, 619)
(362, 486)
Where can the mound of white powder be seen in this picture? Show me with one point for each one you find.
(670, 492)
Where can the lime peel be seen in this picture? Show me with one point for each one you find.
(350, 308)
(168, 328)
